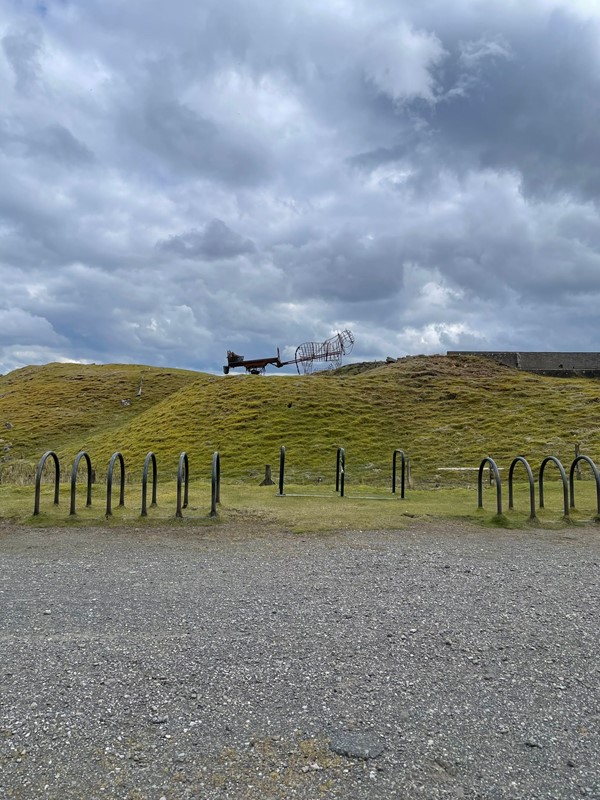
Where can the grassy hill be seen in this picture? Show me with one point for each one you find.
(444, 411)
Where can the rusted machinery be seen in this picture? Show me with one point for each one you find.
(327, 354)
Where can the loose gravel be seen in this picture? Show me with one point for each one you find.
(241, 661)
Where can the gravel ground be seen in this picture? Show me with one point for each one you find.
(241, 661)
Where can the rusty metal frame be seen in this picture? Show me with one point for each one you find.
(330, 351)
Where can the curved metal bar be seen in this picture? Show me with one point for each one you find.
(589, 461)
(403, 476)
(494, 468)
(563, 476)
(183, 476)
(109, 479)
(340, 471)
(521, 460)
(215, 484)
(88, 462)
(38, 479)
(281, 470)
(150, 458)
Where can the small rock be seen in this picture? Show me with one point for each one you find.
(47, 611)
(158, 720)
(356, 745)
(8, 426)
(532, 743)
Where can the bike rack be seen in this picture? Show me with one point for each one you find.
(183, 476)
(38, 479)
(281, 470)
(403, 473)
(340, 471)
(494, 468)
(215, 484)
(589, 461)
(109, 479)
(150, 459)
(340, 475)
(563, 476)
(521, 460)
(78, 458)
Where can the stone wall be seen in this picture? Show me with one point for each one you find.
(566, 365)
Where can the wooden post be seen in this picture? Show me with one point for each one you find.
(268, 481)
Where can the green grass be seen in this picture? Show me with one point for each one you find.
(445, 412)
(302, 509)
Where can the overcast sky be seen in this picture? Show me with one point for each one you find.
(179, 179)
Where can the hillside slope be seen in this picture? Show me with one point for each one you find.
(56, 406)
(443, 411)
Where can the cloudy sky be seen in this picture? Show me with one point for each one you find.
(179, 179)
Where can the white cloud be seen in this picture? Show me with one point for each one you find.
(400, 61)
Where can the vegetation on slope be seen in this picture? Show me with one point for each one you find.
(56, 406)
(444, 411)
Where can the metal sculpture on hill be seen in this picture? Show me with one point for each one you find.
(328, 353)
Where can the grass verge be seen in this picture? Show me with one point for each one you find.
(301, 510)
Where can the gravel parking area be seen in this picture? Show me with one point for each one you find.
(241, 661)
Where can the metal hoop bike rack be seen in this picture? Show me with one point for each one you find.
(563, 477)
(215, 495)
(515, 461)
(38, 479)
(589, 461)
(78, 457)
(109, 480)
(493, 466)
(340, 471)
(183, 476)
(403, 464)
(150, 459)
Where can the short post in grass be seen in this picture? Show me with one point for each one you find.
(493, 466)
(38, 479)
(150, 459)
(109, 479)
(268, 479)
(88, 462)
(183, 477)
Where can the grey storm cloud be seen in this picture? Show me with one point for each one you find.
(52, 142)
(21, 49)
(214, 241)
(256, 174)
